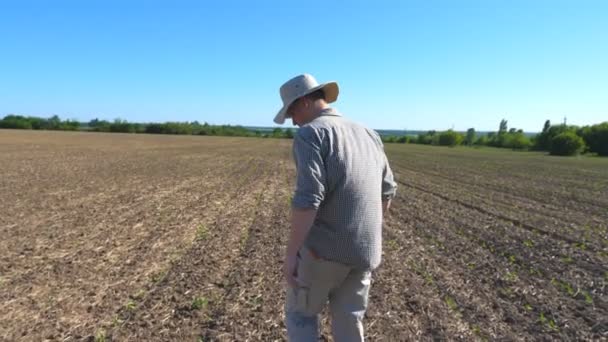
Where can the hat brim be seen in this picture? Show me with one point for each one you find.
(330, 89)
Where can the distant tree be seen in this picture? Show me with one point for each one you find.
(15, 122)
(277, 133)
(154, 128)
(596, 138)
(493, 139)
(389, 139)
(566, 144)
(426, 138)
(69, 125)
(122, 126)
(404, 139)
(482, 141)
(517, 141)
(449, 138)
(544, 140)
(546, 126)
(470, 138)
(502, 128)
(94, 122)
(37, 123)
(289, 133)
(53, 122)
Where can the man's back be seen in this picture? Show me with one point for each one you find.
(341, 170)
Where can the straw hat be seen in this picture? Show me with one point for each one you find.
(301, 86)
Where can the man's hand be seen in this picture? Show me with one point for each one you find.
(386, 205)
(301, 222)
(290, 267)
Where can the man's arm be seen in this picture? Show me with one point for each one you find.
(386, 205)
(301, 222)
(309, 194)
(389, 186)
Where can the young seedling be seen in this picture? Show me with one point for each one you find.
(506, 291)
(547, 321)
(588, 298)
(130, 306)
(451, 303)
(100, 336)
(116, 321)
(201, 232)
(392, 244)
(140, 294)
(511, 276)
(477, 331)
(534, 271)
(199, 303)
(158, 276)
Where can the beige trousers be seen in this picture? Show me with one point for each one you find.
(346, 289)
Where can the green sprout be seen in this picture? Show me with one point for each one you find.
(199, 303)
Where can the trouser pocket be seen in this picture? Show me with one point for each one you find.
(316, 277)
(301, 299)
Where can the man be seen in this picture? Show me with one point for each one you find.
(344, 185)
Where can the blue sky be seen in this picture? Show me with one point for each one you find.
(400, 64)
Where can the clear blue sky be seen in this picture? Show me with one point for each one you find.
(400, 65)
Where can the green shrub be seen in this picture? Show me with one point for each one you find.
(517, 141)
(544, 139)
(426, 138)
(403, 139)
(470, 137)
(289, 133)
(389, 139)
(596, 138)
(481, 141)
(449, 138)
(15, 122)
(566, 144)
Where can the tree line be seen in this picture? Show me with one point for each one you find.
(123, 126)
(559, 139)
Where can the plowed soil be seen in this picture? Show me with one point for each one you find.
(123, 237)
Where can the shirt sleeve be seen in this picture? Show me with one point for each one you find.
(310, 168)
(389, 186)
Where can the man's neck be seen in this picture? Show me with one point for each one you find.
(315, 111)
(318, 108)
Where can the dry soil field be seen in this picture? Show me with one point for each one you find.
(141, 237)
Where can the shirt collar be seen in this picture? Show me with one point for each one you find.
(329, 111)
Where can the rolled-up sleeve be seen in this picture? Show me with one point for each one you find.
(310, 168)
(389, 186)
